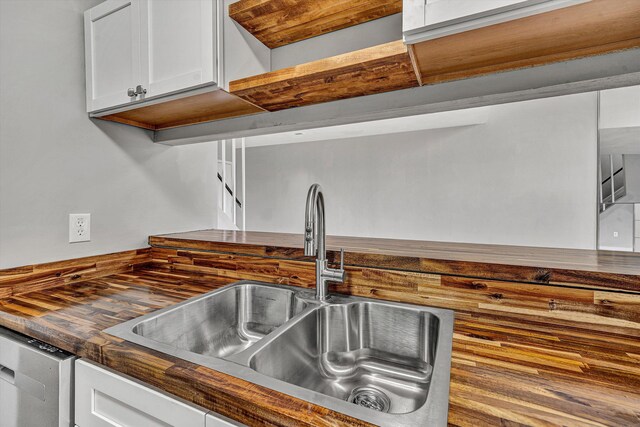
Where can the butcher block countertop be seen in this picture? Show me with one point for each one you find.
(617, 270)
(507, 369)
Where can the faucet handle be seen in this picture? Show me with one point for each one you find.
(341, 272)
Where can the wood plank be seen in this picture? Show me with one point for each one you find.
(204, 107)
(277, 23)
(572, 267)
(377, 69)
(593, 28)
(20, 280)
(507, 369)
(604, 311)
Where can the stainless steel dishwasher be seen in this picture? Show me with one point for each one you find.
(36, 383)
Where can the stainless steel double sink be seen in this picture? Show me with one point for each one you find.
(382, 362)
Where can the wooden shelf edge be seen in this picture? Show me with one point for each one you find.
(414, 64)
(189, 110)
(278, 23)
(377, 69)
(533, 62)
(117, 119)
(588, 29)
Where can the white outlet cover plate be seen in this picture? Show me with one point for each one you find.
(79, 228)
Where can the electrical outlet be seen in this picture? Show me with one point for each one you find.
(79, 228)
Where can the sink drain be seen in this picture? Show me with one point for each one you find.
(371, 398)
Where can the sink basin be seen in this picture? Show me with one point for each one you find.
(384, 363)
(223, 323)
(378, 353)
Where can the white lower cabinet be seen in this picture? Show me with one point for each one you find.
(104, 398)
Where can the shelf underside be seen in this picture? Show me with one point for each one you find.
(204, 107)
(280, 22)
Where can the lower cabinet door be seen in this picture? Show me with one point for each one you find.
(104, 398)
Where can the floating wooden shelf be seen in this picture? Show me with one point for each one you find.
(280, 22)
(204, 107)
(592, 28)
(368, 71)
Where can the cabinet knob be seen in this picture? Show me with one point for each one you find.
(140, 90)
(131, 92)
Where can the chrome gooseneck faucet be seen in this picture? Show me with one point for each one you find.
(314, 243)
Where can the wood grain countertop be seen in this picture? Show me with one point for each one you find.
(602, 269)
(505, 371)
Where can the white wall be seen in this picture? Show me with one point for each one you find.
(620, 107)
(527, 177)
(361, 36)
(619, 218)
(616, 219)
(55, 161)
(632, 177)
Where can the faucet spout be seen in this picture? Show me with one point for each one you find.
(314, 231)
(314, 243)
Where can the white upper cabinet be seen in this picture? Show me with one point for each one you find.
(139, 49)
(430, 19)
(439, 11)
(178, 44)
(112, 49)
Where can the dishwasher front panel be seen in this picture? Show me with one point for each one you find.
(36, 383)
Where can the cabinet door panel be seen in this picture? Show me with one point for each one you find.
(178, 41)
(430, 19)
(112, 47)
(444, 10)
(106, 399)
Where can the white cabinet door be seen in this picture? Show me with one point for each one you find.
(106, 399)
(429, 19)
(112, 52)
(445, 10)
(178, 44)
